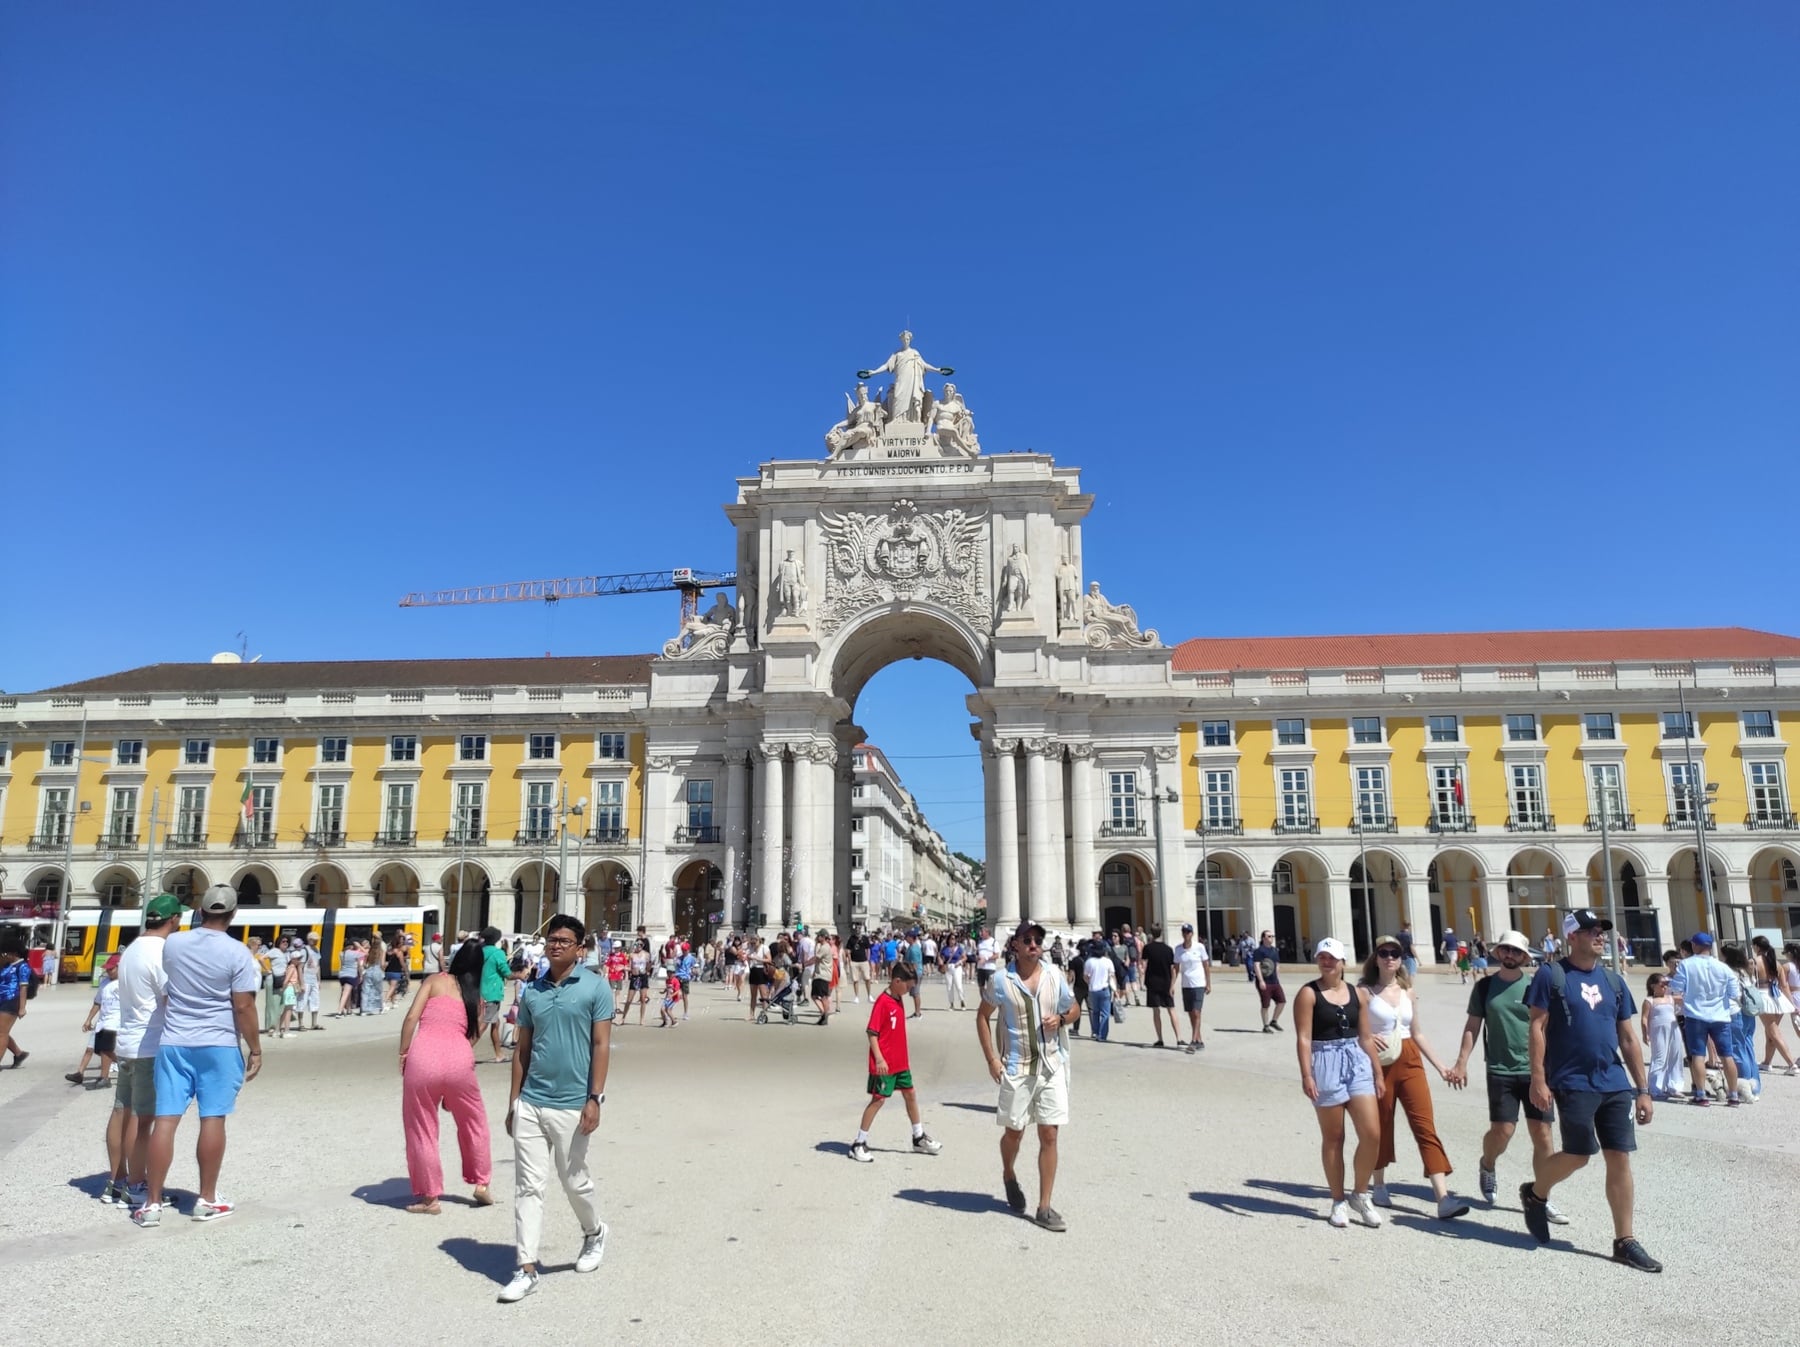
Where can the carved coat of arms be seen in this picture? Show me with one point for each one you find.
(903, 554)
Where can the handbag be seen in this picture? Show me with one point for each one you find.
(1390, 1051)
(1118, 1011)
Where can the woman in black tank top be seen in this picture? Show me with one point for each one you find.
(1340, 1075)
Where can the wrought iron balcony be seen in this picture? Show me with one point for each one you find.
(1619, 823)
(47, 841)
(1304, 825)
(697, 836)
(117, 841)
(1677, 822)
(1122, 828)
(609, 837)
(1461, 822)
(389, 837)
(1532, 823)
(1769, 821)
(533, 837)
(326, 837)
(1225, 827)
(253, 839)
(465, 837)
(185, 841)
(1386, 825)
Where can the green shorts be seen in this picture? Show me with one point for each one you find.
(136, 1089)
(886, 1085)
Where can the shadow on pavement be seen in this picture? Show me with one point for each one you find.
(493, 1261)
(973, 1204)
(972, 1108)
(91, 1184)
(387, 1193)
(1463, 1228)
(1244, 1204)
(833, 1147)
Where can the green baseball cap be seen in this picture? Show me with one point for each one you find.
(162, 907)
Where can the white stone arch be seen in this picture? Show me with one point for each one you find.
(324, 884)
(468, 894)
(1774, 883)
(890, 632)
(1231, 896)
(398, 884)
(605, 904)
(118, 873)
(1114, 899)
(1379, 899)
(265, 884)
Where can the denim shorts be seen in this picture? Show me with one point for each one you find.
(212, 1076)
(1595, 1121)
(1694, 1034)
(1341, 1070)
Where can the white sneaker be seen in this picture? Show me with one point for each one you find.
(593, 1249)
(1340, 1214)
(1450, 1206)
(1552, 1215)
(212, 1211)
(1364, 1211)
(1379, 1193)
(523, 1283)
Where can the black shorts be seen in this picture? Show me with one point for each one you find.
(1507, 1094)
(640, 982)
(1193, 999)
(105, 1040)
(821, 988)
(1159, 998)
(759, 976)
(982, 975)
(1592, 1121)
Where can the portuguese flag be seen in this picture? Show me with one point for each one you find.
(245, 807)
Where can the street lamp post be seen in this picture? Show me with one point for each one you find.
(1205, 879)
(1697, 805)
(66, 898)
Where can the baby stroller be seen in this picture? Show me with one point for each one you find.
(781, 994)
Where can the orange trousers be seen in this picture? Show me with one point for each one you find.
(1404, 1084)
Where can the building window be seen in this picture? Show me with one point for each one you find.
(397, 818)
(472, 748)
(1759, 724)
(197, 753)
(126, 753)
(471, 799)
(1372, 796)
(1442, 729)
(1122, 799)
(1290, 732)
(54, 825)
(612, 746)
(699, 805)
(1678, 724)
(856, 823)
(335, 748)
(542, 748)
(1366, 730)
(403, 748)
(1215, 734)
(1296, 797)
(260, 826)
(1684, 782)
(265, 751)
(1282, 879)
(1521, 727)
(540, 810)
(62, 752)
(190, 815)
(1221, 799)
(860, 760)
(121, 818)
(1768, 801)
(1599, 725)
(1448, 801)
(856, 791)
(1608, 780)
(1528, 795)
(856, 860)
(5, 752)
(609, 809)
(328, 823)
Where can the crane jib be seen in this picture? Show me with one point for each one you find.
(573, 587)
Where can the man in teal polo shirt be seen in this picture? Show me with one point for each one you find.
(560, 1057)
(496, 969)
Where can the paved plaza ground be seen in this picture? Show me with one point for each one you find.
(1191, 1186)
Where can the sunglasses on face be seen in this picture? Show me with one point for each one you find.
(1387, 954)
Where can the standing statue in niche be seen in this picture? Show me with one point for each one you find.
(955, 427)
(1113, 624)
(1015, 582)
(1068, 594)
(862, 423)
(907, 399)
(788, 596)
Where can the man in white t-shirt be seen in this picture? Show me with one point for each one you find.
(987, 955)
(141, 984)
(208, 1004)
(1102, 984)
(1195, 968)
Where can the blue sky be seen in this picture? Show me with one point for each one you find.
(1378, 318)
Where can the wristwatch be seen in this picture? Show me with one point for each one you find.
(597, 1098)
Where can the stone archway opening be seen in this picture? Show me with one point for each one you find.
(186, 882)
(1222, 901)
(1127, 893)
(607, 895)
(468, 896)
(1775, 890)
(256, 886)
(395, 884)
(1301, 889)
(535, 891)
(1687, 899)
(117, 886)
(1454, 885)
(1378, 898)
(325, 885)
(699, 902)
(1537, 892)
(1639, 921)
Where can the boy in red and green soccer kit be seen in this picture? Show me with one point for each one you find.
(890, 1068)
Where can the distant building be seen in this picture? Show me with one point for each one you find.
(901, 870)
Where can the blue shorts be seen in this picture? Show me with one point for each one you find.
(1341, 1070)
(1592, 1121)
(213, 1076)
(1694, 1034)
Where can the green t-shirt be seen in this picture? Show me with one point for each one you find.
(1502, 1005)
(495, 969)
(561, 1017)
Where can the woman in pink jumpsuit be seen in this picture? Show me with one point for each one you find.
(437, 1067)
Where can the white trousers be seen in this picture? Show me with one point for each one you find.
(543, 1137)
(953, 984)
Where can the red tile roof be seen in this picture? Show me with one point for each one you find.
(348, 674)
(1482, 648)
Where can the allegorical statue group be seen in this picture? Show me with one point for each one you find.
(907, 403)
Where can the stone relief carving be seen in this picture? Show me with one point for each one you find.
(787, 596)
(1068, 595)
(820, 753)
(1113, 624)
(1082, 752)
(1015, 582)
(1043, 748)
(705, 635)
(1165, 752)
(876, 558)
(1003, 748)
(659, 762)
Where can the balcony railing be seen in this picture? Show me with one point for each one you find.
(1386, 825)
(1531, 823)
(117, 841)
(1225, 827)
(1462, 822)
(1297, 825)
(186, 841)
(609, 837)
(533, 837)
(253, 839)
(1676, 822)
(1769, 821)
(324, 837)
(391, 837)
(1122, 827)
(465, 837)
(47, 841)
(1622, 823)
(699, 836)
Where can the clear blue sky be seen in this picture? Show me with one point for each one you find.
(1357, 317)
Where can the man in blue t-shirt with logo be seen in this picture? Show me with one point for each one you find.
(1581, 1018)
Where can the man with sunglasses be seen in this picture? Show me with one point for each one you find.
(1497, 1006)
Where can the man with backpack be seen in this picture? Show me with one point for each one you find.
(15, 989)
(1581, 1021)
(1497, 1007)
(1265, 969)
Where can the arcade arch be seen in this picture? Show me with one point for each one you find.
(468, 897)
(1455, 884)
(1378, 899)
(1687, 899)
(1126, 890)
(256, 886)
(1537, 893)
(607, 895)
(535, 890)
(395, 884)
(117, 886)
(1301, 888)
(1223, 902)
(699, 901)
(324, 885)
(1639, 920)
(1775, 890)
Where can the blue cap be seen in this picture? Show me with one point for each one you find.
(1701, 938)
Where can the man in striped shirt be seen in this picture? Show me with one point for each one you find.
(1033, 1006)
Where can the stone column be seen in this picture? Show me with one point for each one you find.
(1496, 913)
(1171, 884)
(1003, 873)
(1262, 909)
(767, 887)
(822, 760)
(1039, 861)
(843, 779)
(1343, 925)
(1055, 908)
(737, 835)
(1086, 903)
(656, 893)
(804, 871)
